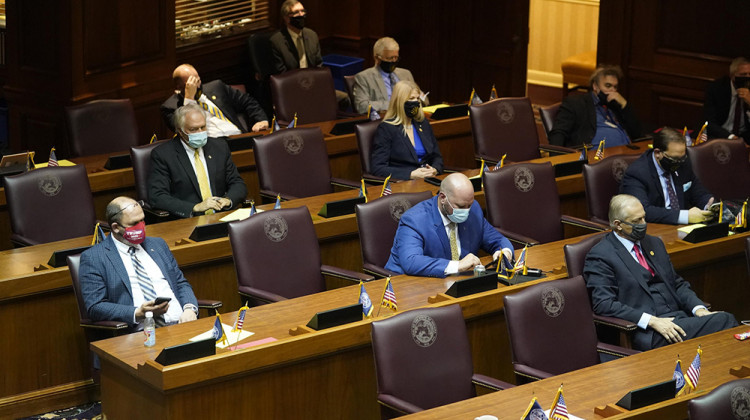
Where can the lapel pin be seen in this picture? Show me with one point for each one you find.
(209, 156)
(651, 253)
(213, 97)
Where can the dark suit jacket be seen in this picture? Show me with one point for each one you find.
(642, 181)
(285, 56)
(393, 154)
(239, 108)
(575, 123)
(173, 186)
(716, 109)
(422, 248)
(618, 284)
(105, 285)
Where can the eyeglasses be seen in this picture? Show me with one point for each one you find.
(140, 203)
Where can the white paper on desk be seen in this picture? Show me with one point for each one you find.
(570, 416)
(232, 337)
(239, 214)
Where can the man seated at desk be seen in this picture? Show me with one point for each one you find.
(630, 276)
(229, 111)
(122, 276)
(599, 114)
(192, 173)
(727, 105)
(442, 235)
(663, 180)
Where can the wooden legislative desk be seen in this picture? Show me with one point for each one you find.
(606, 383)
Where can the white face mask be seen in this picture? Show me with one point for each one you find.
(197, 140)
(459, 215)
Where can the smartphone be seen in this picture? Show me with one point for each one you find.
(160, 300)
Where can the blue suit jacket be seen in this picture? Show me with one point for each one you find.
(641, 180)
(393, 154)
(105, 285)
(422, 248)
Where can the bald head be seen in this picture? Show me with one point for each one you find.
(456, 191)
(181, 74)
(623, 207)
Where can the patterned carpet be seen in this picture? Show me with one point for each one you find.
(90, 411)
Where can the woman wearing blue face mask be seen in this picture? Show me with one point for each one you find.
(404, 145)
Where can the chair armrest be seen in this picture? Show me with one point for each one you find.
(489, 382)
(209, 304)
(588, 224)
(263, 295)
(373, 179)
(155, 212)
(341, 182)
(615, 350)
(377, 271)
(104, 325)
(517, 237)
(346, 114)
(557, 150)
(345, 274)
(21, 241)
(451, 169)
(530, 372)
(618, 323)
(272, 195)
(640, 139)
(488, 160)
(398, 404)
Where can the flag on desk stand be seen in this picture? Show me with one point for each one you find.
(389, 296)
(52, 158)
(504, 268)
(694, 370)
(153, 139)
(679, 378)
(474, 98)
(240, 318)
(741, 220)
(482, 168)
(702, 135)
(371, 114)
(600, 150)
(278, 202)
(364, 299)
(500, 163)
(275, 125)
(293, 124)
(686, 134)
(493, 93)
(559, 411)
(98, 235)
(534, 411)
(386, 187)
(253, 210)
(218, 330)
(362, 189)
(584, 153)
(521, 262)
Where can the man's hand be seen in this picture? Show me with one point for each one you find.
(744, 93)
(615, 96)
(703, 312)
(420, 173)
(260, 126)
(508, 254)
(668, 329)
(187, 316)
(191, 86)
(468, 263)
(696, 215)
(215, 203)
(150, 306)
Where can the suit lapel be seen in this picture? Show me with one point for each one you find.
(655, 179)
(211, 166)
(639, 273)
(185, 164)
(290, 45)
(381, 85)
(156, 256)
(113, 255)
(407, 143)
(426, 144)
(440, 230)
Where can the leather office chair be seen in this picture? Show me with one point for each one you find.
(349, 82)
(365, 136)
(602, 182)
(308, 92)
(277, 257)
(548, 115)
(101, 127)
(261, 64)
(508, 192)
(141, 158)
(727, 401)
(561, 314)
(722, 166)
(294, 163)
(427, 368)
(609, 329)
(41, 204)
(377, 222)
(507, 126)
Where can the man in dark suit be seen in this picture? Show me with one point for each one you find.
(630, 276)
(602, 113)
(111, 279)
(663, 180)
(727, 104)
(441, 236)
(228, 110)
(193, 174)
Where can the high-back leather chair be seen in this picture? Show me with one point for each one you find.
(377, 222)
(50, 204)
(349, 82)
(510, 190)
(722, 166)
(308, 92)
(261, 66)
(277, 256)
(365, 136)
(141, 158)
(727, 401)
(102, 126)
(507, 126)
(548, 114)
(602, 182)
(423, 360)
(560, 313)
(294, 163)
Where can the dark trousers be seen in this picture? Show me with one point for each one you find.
(695, 326)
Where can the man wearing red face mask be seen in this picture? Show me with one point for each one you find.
(123, 275)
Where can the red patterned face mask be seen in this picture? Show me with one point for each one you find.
(135, 234)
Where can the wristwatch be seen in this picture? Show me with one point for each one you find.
(190, 306)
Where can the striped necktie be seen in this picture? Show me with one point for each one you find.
(213, 110)
(674, 203)
(200, 172)
(145, 282)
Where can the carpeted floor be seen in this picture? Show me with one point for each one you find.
(90, 411)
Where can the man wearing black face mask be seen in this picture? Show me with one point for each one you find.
(630, 276)
(602, 113)
(663, 180)
(727, 105)
(374, 86)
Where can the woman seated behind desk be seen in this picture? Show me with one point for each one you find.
(404, 145)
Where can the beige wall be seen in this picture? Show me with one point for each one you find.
(557, 30)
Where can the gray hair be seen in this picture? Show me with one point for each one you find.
(736, 63)
(617, 206)
(182, 112)
(385, 43)
(605, 70)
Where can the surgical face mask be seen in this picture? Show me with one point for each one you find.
(459, 215)
(638, 231)
(297, 21)
(411, 108)
(135, 234)
(388, 66)
(671, 164)
(197, 140)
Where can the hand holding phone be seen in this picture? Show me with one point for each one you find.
(159, 300)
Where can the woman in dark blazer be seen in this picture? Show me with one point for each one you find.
(404, 145)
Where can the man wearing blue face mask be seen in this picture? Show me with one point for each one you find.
(193, 174)
(442, 235)
(630, 276)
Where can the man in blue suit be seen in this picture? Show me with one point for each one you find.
(121, 276)
(442, 235)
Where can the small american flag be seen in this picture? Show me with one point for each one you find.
(702, 135)
(386, 187)
(240, 319)
(278, 202)
(52, 158)
(694, 371)
(559, 410)
(600, 150)
(389, 296)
